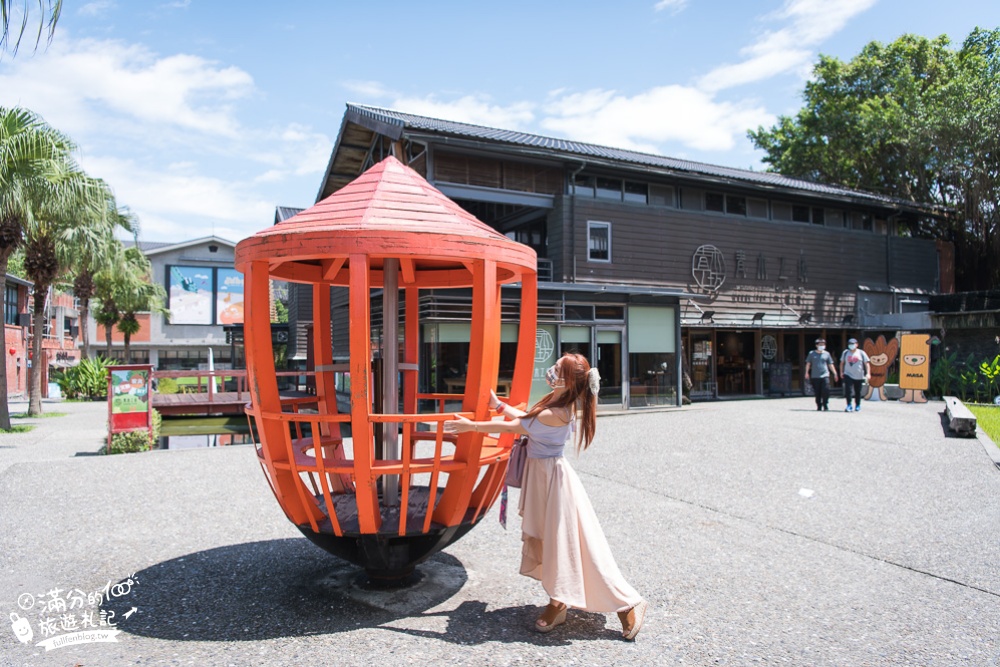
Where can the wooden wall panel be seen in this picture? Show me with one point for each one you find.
(655, 246)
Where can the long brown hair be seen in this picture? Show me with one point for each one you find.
(574, 370)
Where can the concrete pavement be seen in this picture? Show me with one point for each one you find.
(760, 531)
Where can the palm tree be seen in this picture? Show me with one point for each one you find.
(32, 157)
(8, 40)
(137, 293)
(89, 259)
(73, 216)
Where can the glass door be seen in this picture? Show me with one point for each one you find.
(609, 365)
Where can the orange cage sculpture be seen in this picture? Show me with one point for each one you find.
(399, 489)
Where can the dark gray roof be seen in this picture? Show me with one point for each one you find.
(392, 124)
(282, 213)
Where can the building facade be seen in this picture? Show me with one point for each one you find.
(204, 298)
(653, 267)
(59, 335)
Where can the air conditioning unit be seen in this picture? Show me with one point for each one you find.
(24, 319)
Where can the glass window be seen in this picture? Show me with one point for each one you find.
(652, 379)
(599, 241)
(661, 195)
(636, 192)
(583, 185)
(609, 188)
(616, 313)
(10, 304)
(736, 205)
(576, 312)
(715, 202)
(800, 214)
(818, 217)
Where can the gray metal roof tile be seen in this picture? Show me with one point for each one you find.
(402, 120)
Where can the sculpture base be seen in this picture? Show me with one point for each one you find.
(389, 559)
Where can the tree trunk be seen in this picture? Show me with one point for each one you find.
(84, 328)
(4, 408)
(107, 339)
(37, 334)
(128, 348)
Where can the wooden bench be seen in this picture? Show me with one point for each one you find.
(960, 418)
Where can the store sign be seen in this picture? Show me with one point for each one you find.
(708, 268)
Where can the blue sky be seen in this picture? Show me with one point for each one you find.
(203, 117)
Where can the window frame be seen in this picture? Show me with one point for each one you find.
(598, 224)
(10, 313)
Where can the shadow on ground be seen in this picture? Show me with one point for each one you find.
(253, 591)
(289, 588)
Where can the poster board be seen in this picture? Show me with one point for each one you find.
(781, 377)
(129, 405)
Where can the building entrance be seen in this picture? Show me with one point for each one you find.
(736, 362)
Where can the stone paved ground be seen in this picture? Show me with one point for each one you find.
(761, 532)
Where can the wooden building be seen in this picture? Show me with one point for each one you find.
(653, 266)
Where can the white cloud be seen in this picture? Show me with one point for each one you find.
(674, 6)
(78, 84)
(789, 48)
(474, 109)
(649, 120)
(96, 8)
(178, 202)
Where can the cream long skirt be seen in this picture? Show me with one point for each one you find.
(563, 544)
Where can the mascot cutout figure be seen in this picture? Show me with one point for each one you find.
(882, 355)
(914, 367)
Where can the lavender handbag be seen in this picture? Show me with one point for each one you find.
(518, 457)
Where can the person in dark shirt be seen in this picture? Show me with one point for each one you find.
(819, 369)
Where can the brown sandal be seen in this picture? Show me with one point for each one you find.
(553, 615)
(632, 620)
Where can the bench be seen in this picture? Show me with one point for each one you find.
(960, 418)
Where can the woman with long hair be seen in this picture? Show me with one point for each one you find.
(563, 545)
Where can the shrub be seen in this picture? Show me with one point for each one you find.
(87, 379)
(130, 441)
(139, 440)
(167, 386)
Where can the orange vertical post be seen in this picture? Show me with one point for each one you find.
(369, 518)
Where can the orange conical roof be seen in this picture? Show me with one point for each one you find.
(390, 210)
(389, 194)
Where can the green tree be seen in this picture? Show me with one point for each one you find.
(34, 168)
(68, 221)
(10, 39)
(122, 289)
(91, 258)
(914, 119)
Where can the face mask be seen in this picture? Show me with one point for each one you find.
(820, 348)
(852, 346)
(552, 377)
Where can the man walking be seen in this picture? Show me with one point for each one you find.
(819, 368)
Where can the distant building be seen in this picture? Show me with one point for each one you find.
(59, 336)
(204, 296)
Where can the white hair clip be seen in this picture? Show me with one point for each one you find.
(594, 378)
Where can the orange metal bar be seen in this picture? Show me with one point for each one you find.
(484, 362)
(257, 340)
(369, 518)
(411, 352)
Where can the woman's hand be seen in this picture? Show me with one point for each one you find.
(494, 401)
(459, 425)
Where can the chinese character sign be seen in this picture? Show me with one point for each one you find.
(129, 390)
(128, 399)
